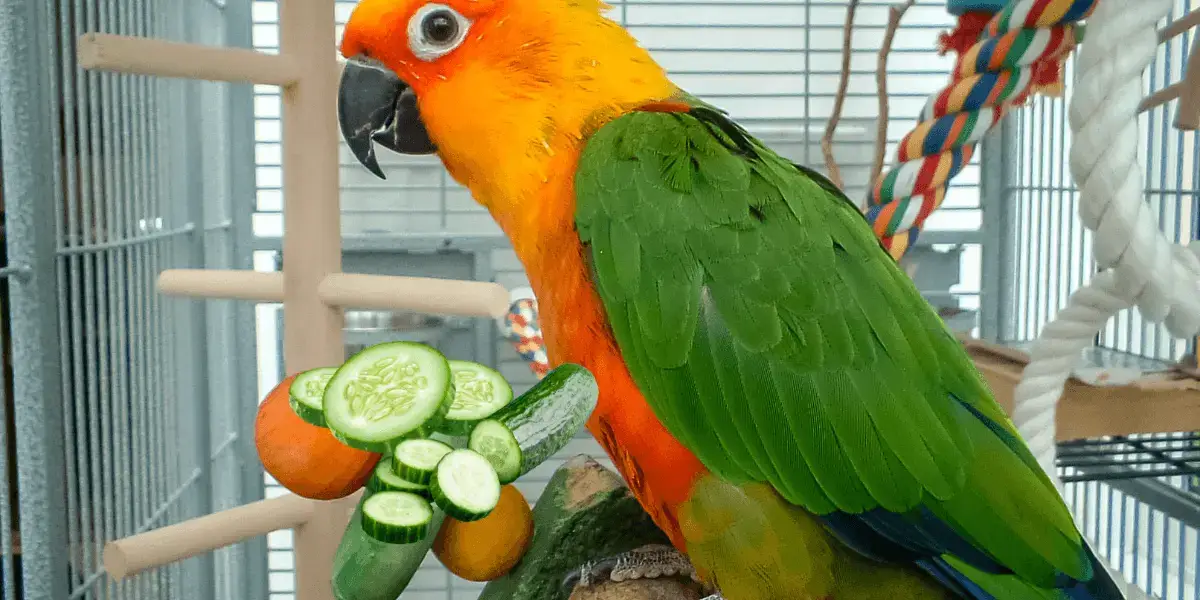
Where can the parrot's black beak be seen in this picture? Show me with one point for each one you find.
(374, 105)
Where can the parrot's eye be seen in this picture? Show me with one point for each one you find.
(435, 30)
(439, 27)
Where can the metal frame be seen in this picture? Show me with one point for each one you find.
(997, 234)
(28, 97)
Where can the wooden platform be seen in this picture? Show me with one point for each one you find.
(1166, 401)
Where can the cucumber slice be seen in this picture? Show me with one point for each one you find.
(306, 393)
(385, 480)
(386, 393)
(308, 414)
(415, 460)
(465, 486)
(396, 517)
(479, 391)
(522, 435)
(496, 443)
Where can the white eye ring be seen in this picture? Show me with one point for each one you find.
(419, 41)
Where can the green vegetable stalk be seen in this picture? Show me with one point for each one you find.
(367, 569)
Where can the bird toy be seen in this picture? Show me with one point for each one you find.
(1021, 52)
(522, 329)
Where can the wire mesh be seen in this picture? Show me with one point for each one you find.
(123, 474)
(1144, 529)
(1129, 457)
(1135, 496)
(134, 191)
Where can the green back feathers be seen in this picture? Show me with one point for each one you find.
(777, 340)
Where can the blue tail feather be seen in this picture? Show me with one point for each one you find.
(954, 580)
(970, 584)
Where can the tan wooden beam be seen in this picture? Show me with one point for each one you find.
(1159, 403)
(137, 553)
(144, 56)
(1187, 115)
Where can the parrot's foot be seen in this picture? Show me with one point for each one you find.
(647, 562)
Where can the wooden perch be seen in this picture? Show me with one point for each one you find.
(1187, 90)
(586, 514)
(1155, 403)
(1187, 115)
(895, 14)
(143, 56)
(346, 290)
(835, 174)
(639, 589)
(157, 547)
(1179, 26)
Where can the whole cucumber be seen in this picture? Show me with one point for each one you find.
(367, 569)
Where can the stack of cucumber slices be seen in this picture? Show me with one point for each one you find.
(407, 401)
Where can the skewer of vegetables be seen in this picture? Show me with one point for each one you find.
(405, 412)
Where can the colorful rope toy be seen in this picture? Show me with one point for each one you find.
(1021, 53)
(522, 329)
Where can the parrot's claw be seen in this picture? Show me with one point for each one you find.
(648, 562)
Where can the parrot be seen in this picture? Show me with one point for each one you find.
(776, 392)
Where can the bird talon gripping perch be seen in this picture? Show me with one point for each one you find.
(648, 562)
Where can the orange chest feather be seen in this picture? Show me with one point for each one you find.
(658, 469)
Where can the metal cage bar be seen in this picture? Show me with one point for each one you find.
(29, 145)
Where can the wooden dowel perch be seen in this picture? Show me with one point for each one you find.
(347, 290)
(1162, 96)
(1187, 115)
(134, 554)
(1178, 26)
(144, 56)
(230, 284)
(419, 294)
(1187, 90)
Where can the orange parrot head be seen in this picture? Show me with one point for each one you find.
(495, 87)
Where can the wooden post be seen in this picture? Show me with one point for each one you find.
(312, 244)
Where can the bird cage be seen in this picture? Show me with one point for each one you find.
(164, 189)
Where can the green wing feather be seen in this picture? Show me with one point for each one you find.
(778, 341)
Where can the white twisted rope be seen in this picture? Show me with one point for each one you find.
(1143, 268)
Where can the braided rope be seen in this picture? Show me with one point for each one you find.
(994, 75)
(522, 329)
